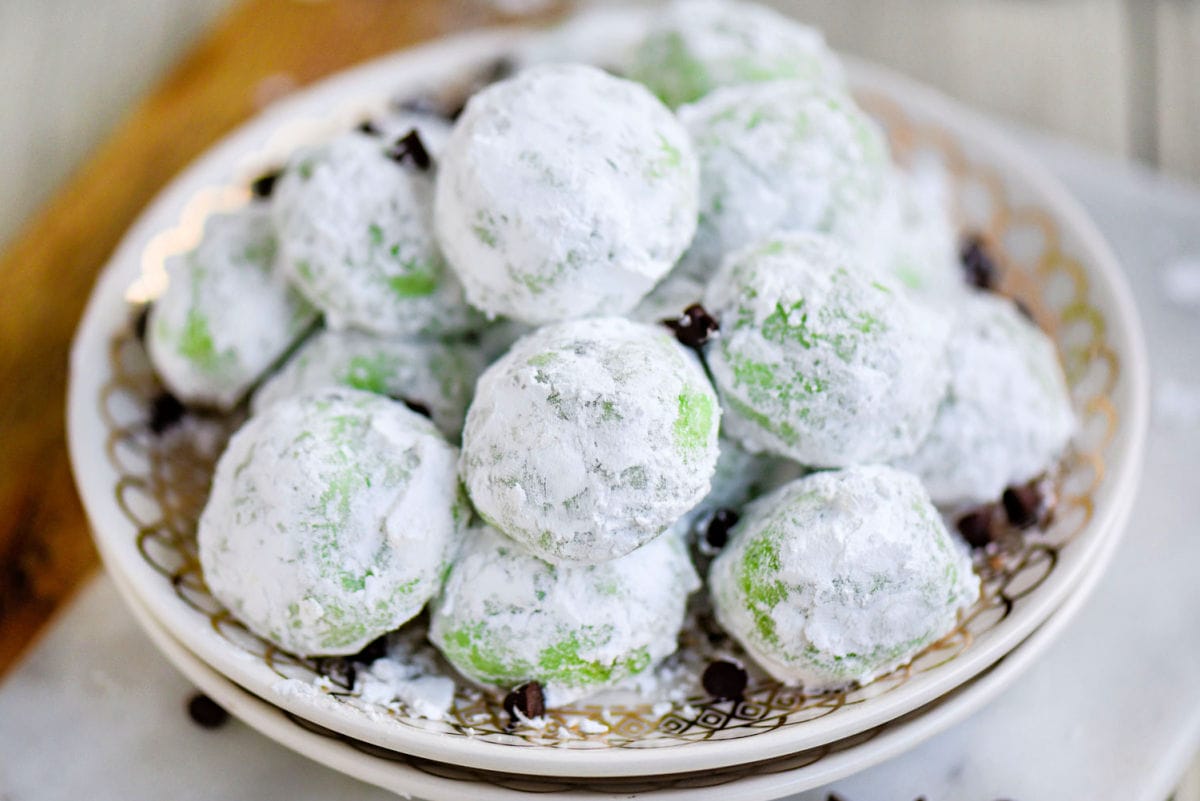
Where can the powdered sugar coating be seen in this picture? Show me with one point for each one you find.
(564, 192)
(331, 519)
(915, 242)
(1007, 416)
(356, 237)
(506, 617)
(589, 438)
(782, 156)
(227, 313)
(696, 46)
(818, 361)
(840, 577)
(438, 375)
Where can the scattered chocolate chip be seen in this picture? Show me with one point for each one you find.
(725, 681)
(834, 797)
(717, 533)
(340, 670)
(374, 650)
(1026, 505)
(527, 700)
(978, 526)
(411, 147)
(422, 104)
(979, 268)
(694, 328)
(165, 412)
(262, 186)
(140, 322)
(205, 712)
(414, 405)
(367, 127)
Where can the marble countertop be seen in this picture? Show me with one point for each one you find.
(1112, 710)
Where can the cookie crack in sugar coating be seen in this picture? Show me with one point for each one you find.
(564, 192)
(331, 520)
(590, 438)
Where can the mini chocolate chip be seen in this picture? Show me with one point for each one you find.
(834, 797)
(1025, 505)
(978, 526)
(262, 186)
(411, 147)
(725, 681)
(140, 322)
(375, 650)
(205, 712)
(165, 412)
(694, 328)
(526, 699)
(979, 268)
(367, 127)
(422, 104)
(340, 670)
(414, 405)
(717, 533)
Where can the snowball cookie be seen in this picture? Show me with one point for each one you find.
(564, 192)
(589, 438)
(694, 47)
(840, 577)
(817, 360)
(331, 520)
(782, 156)
(227, 314)
(356, 236)
(506, 617)
(915, 243)
(437, 375)
(1007, 416)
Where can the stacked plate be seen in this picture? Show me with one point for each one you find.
(143, 493)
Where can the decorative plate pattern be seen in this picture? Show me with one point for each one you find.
(164, 478)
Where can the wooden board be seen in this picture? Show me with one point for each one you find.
(259, 50)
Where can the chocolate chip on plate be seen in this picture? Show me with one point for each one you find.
(725, 681)
(418, 407)
(141, 321)
(367, 127)
(978, 525)
(410, 147)
(717, 533)
(979, 268)
(375, 650)
(262, 186)
(1027, 505)
(526, 700)
(340, 670)
(165, 412)
(694, 328)
(205, 712)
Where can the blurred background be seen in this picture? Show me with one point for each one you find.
(1120, 75)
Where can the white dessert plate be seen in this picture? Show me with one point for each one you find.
(143, 492)
(779, 778)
